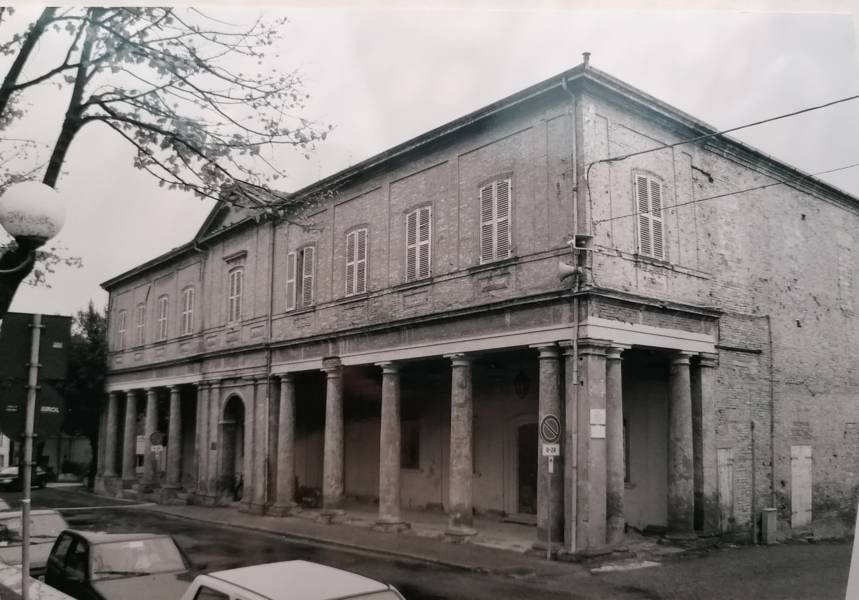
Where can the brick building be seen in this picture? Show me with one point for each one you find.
(698, 350)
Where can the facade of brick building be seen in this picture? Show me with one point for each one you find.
(697, 346)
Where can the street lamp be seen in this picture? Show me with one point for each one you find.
(32, 213)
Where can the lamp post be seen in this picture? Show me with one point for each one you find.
(32, 213)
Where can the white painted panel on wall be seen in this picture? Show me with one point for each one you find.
(725, 471)
(800, 485)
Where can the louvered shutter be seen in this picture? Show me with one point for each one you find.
(645, 241)
(350, 263)
(307, 272)
(487, 224)
(291, 260)
(361, 261)
(656, 218)
(502, 219)
(411, 246)
(424, 238)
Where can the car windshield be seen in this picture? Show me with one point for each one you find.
(9, 471)
(42, 527)
(138, 557)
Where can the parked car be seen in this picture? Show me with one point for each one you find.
(45, 526)
(117, 566)
(9, 478)
(289, 580)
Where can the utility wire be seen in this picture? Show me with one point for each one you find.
(734, 193)
(724, 131)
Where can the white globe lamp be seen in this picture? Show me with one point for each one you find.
(32, 211)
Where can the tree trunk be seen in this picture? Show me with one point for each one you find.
(8, 86)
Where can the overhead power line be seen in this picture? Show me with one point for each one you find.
(724, 131)
(734, 193)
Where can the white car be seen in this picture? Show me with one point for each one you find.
(289, 580)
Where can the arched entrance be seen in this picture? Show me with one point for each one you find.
(232, 440)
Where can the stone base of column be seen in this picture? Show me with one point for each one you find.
(201, 499)
(681, 536)
(111, 484)
(128, 484)
(538, 548)
(459, 534)
(256, 508)
(391, 525)
(283, 510)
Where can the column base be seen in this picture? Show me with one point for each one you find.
(681, 536)
(283, 510)
(459, 534)
(255, 508)
(111, 484)
(331, 515)
(539, 547)
(128, 484)
(391, 525)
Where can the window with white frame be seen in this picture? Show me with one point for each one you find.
(356, 262)
(419, 244)
(122, 325)
(141, 324)
(188, 311)
(300, 269)
(495, 207)
(234, 299)
(163, 309)
(651, 228)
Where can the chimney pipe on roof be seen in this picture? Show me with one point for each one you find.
(586, 56)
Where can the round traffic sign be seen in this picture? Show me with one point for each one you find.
(550, 429)
(156, 438)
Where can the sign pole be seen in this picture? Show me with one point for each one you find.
(550, 433)
(32, 387)
(549, 523)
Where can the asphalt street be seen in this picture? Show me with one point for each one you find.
(788, 571)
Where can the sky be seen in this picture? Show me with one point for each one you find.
(386, 74)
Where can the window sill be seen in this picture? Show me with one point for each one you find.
(354, 298)
(419, 283)
(496, 264)
(300, 311)
(658, 262)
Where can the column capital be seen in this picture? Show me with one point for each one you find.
(705, 359)
(615, 350)
(681, 358)
(593, 347)
(389, 367)
(459, 359)
(547, 351)
(285, 377)
(334, 371)
(201, 385)
(174, 389)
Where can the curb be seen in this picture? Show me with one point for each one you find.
(332, 543)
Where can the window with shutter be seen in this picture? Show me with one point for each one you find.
(651, 236)
(123, 321)
(163, 308)
(236, 281)
(418, 244)
(188, 311)
(356, 262)
(141, 323)
(495, 210)
(291, 260)
(308, 270)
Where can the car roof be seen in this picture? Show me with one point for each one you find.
(102, 537)
(10, 514)
(300, 579)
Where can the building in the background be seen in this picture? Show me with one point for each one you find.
(5, 450)
(698, 351)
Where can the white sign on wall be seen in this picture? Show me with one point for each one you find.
(597, 416)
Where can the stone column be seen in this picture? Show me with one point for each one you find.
(616, 467)
(129, 441)
(259, 464)
(285, 500)
(460, 518)
(111, 434)
(389, 450)
(273, 419)
(174, 439)
(550, 492)
(703, 378)
(591, 471)
(570, 450)
(216, 443)
(202, 447)
(102, 434)
(247, 473)
(681, 489)
(150, 468)
(332, 464)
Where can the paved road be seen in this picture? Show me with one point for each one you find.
(800, 571)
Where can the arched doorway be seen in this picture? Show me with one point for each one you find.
(232, 458)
